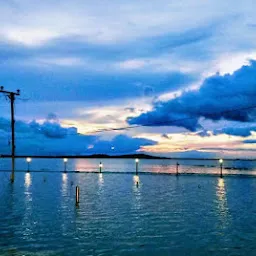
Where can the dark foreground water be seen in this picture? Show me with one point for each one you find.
(163, 215)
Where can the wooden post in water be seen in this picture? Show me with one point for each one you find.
(137, 165)
(77, 195)
(177, 169)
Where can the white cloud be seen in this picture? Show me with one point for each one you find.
(28, 36)
(108, 22)
(65, 61)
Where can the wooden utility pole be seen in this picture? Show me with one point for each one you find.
(11, 96)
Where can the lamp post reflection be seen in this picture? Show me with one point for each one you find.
(27, 180)
(222, 202)
(137, 192)
(27, 222)
(100, 180)
(136, 180)
(64, 183)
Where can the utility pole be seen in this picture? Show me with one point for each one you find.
(11, 96)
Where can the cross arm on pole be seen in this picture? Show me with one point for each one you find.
(8, 92)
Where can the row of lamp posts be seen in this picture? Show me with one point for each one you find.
(65, 160)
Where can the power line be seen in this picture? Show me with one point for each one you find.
(164, 123)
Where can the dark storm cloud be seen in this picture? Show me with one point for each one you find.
(122, 144)
(50, 138)
(249, 141)
(50, 128)
(77, 85)
(236, 131)
(217, 95)
(229, 149)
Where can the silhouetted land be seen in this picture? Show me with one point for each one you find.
(141, 156)
(129, 156)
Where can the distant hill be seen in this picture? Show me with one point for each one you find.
(129, 156)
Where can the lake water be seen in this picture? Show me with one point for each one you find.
(163, 215)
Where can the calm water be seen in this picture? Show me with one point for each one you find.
(128, 165)
(164, 215)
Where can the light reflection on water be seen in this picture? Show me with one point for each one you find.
(64, 183)
(137, 192)
(28, 179)
(222, 202)
(101, 179)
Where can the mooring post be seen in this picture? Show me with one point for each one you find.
(177, 169)
(77, 195)
(221, 166)
(137, 165)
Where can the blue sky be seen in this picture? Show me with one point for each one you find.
(83, 66)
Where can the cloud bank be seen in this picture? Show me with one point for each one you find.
(216, 99)
(50, 138)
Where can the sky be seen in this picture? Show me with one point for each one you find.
(181, 73)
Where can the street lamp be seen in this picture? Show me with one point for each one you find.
(100, 165)
(137, 165)
(177, 169)
(221, 165)
(65, 160)
(28, 161)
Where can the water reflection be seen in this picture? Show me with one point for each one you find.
(222, 202)
(101, 180)
(27, 232)
(64, 183)
(136, 180)
(28, 180)
(137, 192)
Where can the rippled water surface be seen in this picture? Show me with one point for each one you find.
(162, 215)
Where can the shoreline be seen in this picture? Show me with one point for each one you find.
(130, 156)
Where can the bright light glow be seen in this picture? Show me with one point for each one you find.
(100, 165)
(28, 159)
(112, 148)
(65, 160)
(136, 179)
(137, 160)
(221, 161)
(221, 183)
